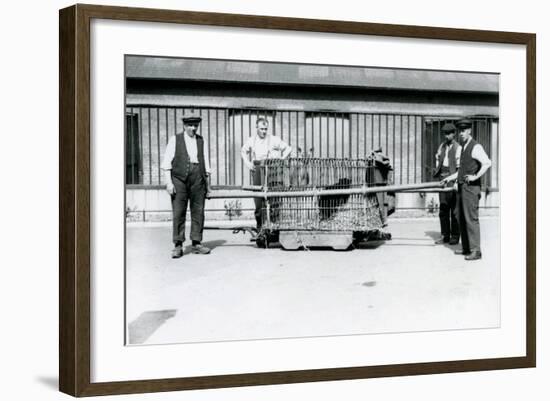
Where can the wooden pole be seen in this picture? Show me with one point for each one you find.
(222, 194)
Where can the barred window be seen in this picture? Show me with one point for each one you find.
(134, 170)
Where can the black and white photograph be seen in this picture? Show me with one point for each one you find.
(271, 200)
(234, 200)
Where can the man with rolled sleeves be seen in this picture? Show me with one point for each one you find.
(186, 169)
(262, 146)
(474, 162)
(447, 162)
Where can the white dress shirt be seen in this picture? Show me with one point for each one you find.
(191, 145)
(478, 153)
(270, 147)
(445, 162)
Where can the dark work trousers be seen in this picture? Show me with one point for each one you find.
(448, 215)
(192, 189)
(468, 216)
(258, 202)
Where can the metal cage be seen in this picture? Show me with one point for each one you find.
(349, 212)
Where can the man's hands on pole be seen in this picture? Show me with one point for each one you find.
(451, 178)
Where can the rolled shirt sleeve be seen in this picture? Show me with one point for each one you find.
(284, 148)
(479, 154)
(457, 155)
(281, 146)
(245, 151)
(437, 161)
(169, 153)
(206, 157)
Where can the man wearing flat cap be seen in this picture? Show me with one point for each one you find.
(447, 161)
(186, 170)
(474, 162)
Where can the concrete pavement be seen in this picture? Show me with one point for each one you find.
(240, 292)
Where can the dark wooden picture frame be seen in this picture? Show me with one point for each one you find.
(74, 202)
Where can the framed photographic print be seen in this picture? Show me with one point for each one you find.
(249, 200)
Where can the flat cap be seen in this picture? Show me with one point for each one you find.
(191, 117)
(464, 123)
(448, 127)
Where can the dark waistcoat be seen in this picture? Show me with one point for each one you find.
(452, 158)
(181, 164)
(468, 165)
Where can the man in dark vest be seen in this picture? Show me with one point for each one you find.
(447, 161)
(474, 162)
(186, 169)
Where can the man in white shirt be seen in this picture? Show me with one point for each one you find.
(260, 147)
(447, 161)
(474, 162)
(186, 169)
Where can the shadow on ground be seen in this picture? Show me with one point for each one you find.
(435, 235)
(210, 244)
(370, 244)
(146, 324)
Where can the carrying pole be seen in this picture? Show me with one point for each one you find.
(225, 194)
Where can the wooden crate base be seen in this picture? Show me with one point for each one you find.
(338, 240)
